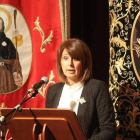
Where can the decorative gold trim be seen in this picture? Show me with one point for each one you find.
(9, 18)
(46, 41)
(63, 18)
(131, 46)
(66, 24)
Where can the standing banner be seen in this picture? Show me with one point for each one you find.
(125, 66)
(30, 34)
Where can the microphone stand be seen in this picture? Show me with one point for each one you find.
(3, 123)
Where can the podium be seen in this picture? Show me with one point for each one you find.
(44, 124)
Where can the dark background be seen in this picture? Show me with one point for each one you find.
(89, 21)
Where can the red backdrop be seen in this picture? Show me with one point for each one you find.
(48, 12)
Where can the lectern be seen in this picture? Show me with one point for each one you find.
(44, 124)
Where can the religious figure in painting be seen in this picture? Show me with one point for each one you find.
(10, 68)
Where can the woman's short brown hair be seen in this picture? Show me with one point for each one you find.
(77, 49)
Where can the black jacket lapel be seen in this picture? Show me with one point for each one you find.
(57, 95)
(82, 109)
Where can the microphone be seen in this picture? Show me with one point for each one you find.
(44, 80)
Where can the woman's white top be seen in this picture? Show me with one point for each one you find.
(70, 96)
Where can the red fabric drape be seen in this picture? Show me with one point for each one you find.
(48, 12)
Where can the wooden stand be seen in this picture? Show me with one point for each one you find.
(44, 124)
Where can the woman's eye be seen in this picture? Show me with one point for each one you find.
(65, 57)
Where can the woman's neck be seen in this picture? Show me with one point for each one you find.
(71, 82)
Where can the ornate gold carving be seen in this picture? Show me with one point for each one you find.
(126, 102)
(46, 41)
(114, 22)
(119, 65)
(9, 18)
(117, 59)
(42, 90)
(119, 42)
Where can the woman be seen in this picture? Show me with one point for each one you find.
(89, 98)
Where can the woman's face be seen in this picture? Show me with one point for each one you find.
(71, 67)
